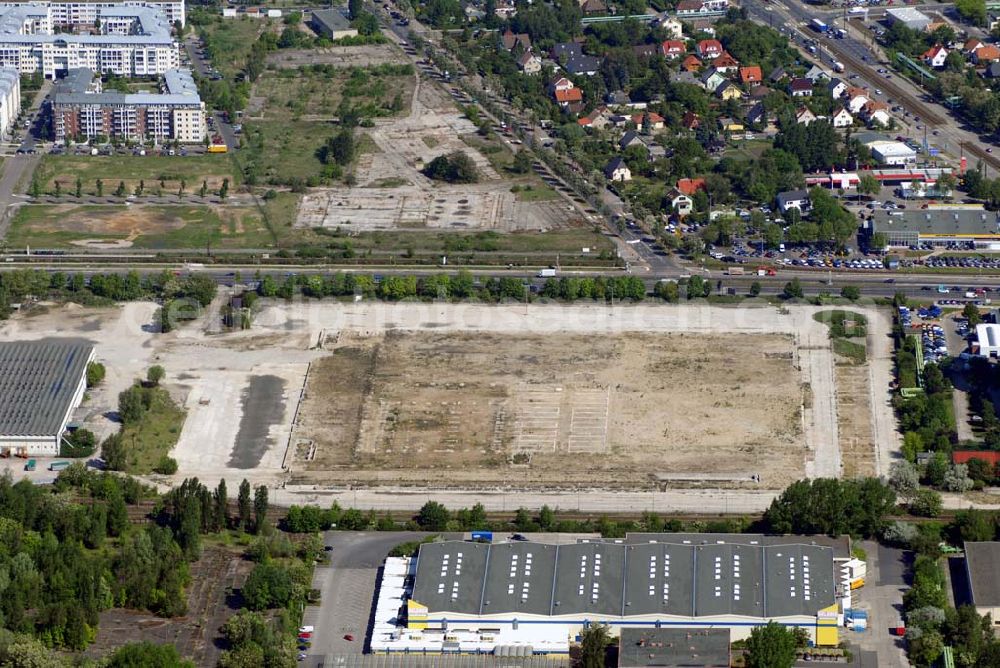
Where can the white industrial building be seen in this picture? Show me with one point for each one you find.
(988, 335)
(522, 598)
(893, 153)
(133, 41)
(41, 384)
(10, 100)
(909, 17)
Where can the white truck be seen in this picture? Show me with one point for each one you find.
(547, 273)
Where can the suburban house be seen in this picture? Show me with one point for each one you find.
(986, 54)
(836, 88)
(672, 26)
(618, 97)
(727, 90)
(726, 63)
(751, 76)
(591, 7)
(617, 170)
(876, 113)
(935, 56)
(800, 87)
(581, 64)
(992, 71)
(710, 48)
(673, 48)
(757, 114)
(711, 78)
(855, 99)
(971, 46)
(630, 138)
(562, 83)
(694, 8)
(804, 116)
(598, 118)
(679, 202)
(565, 50)
(776, 75)
(567, 96)
(686, 77)
(691, 63)
(646, 50)
(817, 74)
(690, 186)
(649, 120)
(509, 40)
(529, 63)
(793, 199)
(690, 121)
(505, 9)
(727, 124)
(842, 119)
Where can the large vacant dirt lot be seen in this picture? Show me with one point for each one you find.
(457, 407)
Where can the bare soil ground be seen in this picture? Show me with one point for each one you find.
(452, 408)
(339, 56)
(210, 604)
(393, 193)
(854, 416)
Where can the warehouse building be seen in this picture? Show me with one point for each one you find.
(671, 647)
(41, 383)
(988, 335)
(909, 17)
(982, 563)
(937, 226)
(893, 153)
(521, 597)
(133, 42)
(332, 24)
(81, 110)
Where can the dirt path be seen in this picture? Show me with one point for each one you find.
(880, 374)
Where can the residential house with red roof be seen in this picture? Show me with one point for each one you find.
(710, 48)
(751, 75)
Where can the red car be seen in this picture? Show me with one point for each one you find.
(349, 637)
(305, 636)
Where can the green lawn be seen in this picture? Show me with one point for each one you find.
(151, 169)
(228, 41)
(291, 94)
(536, 193)
(153, 227)
(147, 441)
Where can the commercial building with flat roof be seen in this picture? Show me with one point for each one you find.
(937, 226)
(892, 153)
(908, 16)
(132, 41)
(988, 335)
(81, 110)
(332, 24)
(982, 563)
(41, 383)
(10, 100)
(674, 648)
(470, 597)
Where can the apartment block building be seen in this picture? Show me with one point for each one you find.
(81, 110)
(130, 41)
(81, 14)
(10, 100)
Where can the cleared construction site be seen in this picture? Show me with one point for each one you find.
(550, 398)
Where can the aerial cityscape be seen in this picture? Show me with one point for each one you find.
(499, 333)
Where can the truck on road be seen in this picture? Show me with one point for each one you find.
(734, 271)
(838, 66)
(547, 273)
(818, 25)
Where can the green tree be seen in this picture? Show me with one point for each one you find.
(926, 503)
(771, 646)
(79, 187)
(155, 374)
(100, 188)
(120, 191)
(221, 501)
(146, 655)
(113, 452)
(793, 290)
(755, 289)
(131, 405)
(433, 516)
(95, 374)
(594, 641)
(971, 313)
(455, 167)
(869, 185)
(973, 11)
(522, 162)
(269, 585)
(354, 8)
(340, 149)
(851, 292)
(244, 503)
(260, 509)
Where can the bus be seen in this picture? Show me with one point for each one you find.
(58, 466)
(818, 25)
(217, 148)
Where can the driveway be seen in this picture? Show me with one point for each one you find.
(347, 586)
(882, 597)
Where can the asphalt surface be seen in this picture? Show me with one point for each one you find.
(347, 585)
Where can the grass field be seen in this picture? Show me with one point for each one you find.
(150, 169)
(153, 227)
(228, 41)
(292, 94)
(152, 437)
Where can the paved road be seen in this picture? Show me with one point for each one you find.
(348, 584)
(882, 597)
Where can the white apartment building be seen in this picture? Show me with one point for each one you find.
(82, 13)
(10, 100)
(134, 41)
